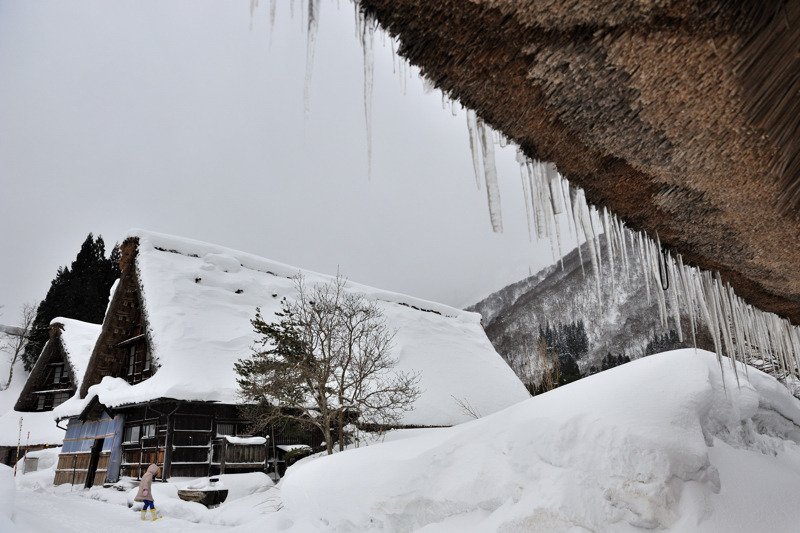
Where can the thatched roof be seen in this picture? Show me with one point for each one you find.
(680, 117)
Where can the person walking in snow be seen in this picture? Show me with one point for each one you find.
(145, 493)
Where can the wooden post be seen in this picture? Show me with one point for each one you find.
(167, 447)
(224, 455)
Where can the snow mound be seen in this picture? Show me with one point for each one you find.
(7, 492)
(655, 444)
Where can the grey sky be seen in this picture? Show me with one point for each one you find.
(178, 118)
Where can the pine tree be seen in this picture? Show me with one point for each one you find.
(80, 292)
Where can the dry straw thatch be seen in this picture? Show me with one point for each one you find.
(681, 117)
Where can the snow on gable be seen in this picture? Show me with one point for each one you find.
(78, 340)
(198, 300)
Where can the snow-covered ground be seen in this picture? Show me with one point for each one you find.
(669, 442)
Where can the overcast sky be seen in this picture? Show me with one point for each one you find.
(178, 117)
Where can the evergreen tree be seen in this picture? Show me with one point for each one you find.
(610, 361)
(569, 370)
(664, 343)
(80, 292)
(567, 343)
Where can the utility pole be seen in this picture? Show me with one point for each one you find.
(19, 438)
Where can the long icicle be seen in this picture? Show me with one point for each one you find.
(573, 201)
(474, 144)
(523, 174)
(367, 47)
(313, 26)
(490, 172)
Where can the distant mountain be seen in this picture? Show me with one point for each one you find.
(622, 320)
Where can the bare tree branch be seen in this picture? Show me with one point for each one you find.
(326, 361)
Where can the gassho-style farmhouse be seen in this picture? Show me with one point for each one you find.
(156, 382)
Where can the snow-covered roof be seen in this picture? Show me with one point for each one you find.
(77, 339)
(38, 428)
(292, 447)
(198, 300)
(246, 440)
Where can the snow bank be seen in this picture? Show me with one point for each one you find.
(42, 477)
(7, 493)
(650, 444)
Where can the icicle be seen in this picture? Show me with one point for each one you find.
(673, 292)
(253, 7)
(567, 190)
(623, 238)
(723, 314)
(367, 44)
(490, 172)
(710, 312)
(273, 6)
(591, 215)
(743, 341)
(584, 217)
(539, 205)
(644, 264)
(558, 241)
(533, 185)
(549, 216)
(573, 197)
(619, 230)
(688, 299)
(655, 259)
(313, 25)
(610, 249)
(474, 146)
(523, 173)
(556, 196)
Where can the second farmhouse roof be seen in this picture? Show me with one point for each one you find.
(197, 300)
(71, 343)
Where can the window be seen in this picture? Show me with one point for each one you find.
(132, 360)
(57, 372)
(225, 429)
(40, 403)
(131, 434)
(59, 398)
(148, 430)
(140, 365)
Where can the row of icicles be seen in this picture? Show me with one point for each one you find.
(739, 330)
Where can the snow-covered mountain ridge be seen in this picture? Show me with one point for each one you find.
(623, 320)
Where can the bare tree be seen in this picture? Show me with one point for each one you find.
(539, 370)
(327, 362)
(13, 340)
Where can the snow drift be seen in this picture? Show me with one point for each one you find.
(669, 441)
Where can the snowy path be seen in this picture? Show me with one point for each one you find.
(39, 512)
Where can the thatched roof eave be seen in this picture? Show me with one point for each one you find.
(679, 117)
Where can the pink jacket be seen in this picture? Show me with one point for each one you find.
(145, 485)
